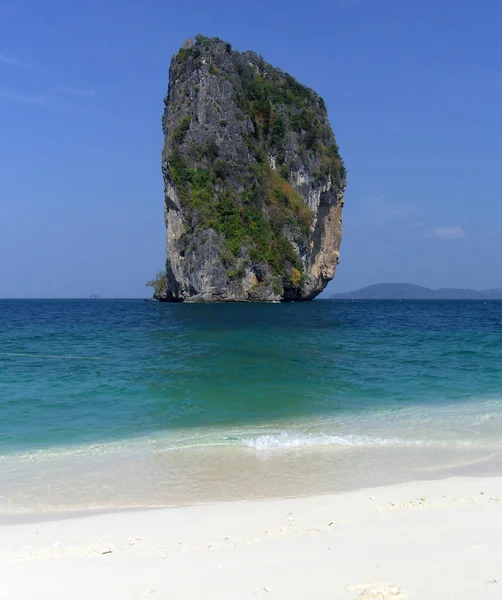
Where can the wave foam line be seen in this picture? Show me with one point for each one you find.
(280, 442)
(259, 443)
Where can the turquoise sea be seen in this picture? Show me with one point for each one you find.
(107, 403)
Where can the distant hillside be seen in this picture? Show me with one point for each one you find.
(407, 291)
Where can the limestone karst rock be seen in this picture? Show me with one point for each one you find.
(253, 180)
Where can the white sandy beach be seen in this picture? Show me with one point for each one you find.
(439, 540)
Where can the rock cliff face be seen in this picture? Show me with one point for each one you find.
(253, 180)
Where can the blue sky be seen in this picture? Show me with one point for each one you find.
(414, 94)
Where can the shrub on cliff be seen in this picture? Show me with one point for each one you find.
(159, 284)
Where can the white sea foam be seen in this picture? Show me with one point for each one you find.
(270, 441)
(289, 440)
(474, 424)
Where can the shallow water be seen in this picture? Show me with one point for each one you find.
(126, 403)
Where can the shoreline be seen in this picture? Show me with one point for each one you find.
(26, 518)
(78, 487)
(408, 540)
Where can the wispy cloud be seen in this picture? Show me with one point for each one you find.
(448, 233)
(381, 209)
(46, 93)
(26, 98)
(54, 99)
(79, 92)
(17, 64)
(384, 212)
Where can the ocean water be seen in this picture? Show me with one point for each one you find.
(126, 403)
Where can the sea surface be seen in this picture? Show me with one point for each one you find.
(125, 403)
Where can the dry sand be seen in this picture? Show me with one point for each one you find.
(439, 540)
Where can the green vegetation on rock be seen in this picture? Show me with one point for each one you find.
(159, 284)
(243, 221)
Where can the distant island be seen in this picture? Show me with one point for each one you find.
(408, 291)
